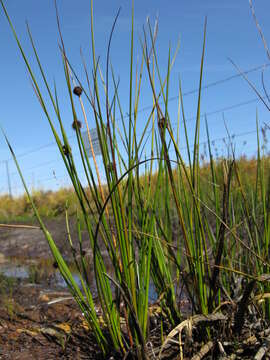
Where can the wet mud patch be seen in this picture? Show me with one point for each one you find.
(31, 243)
(38, 323)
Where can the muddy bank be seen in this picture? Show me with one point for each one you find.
(45, 324)
(38, 317)
(40, 320)
(25, 254)
(32, 244)
(38, 323)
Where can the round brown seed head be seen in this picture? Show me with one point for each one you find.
(77, 91)
(66, 150)
(110, 167)
(76, 124)
(161, 123)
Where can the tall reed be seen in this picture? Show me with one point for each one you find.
(132, 215)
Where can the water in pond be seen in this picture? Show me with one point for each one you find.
(45, 274)
(35, 272)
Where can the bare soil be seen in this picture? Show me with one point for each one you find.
(32, 329)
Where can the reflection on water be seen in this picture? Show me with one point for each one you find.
(14, 271)
(35, 272)
(44, 273)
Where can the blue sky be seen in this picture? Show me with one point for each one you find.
(231, 33)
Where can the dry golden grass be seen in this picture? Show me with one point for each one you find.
(53, 203)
